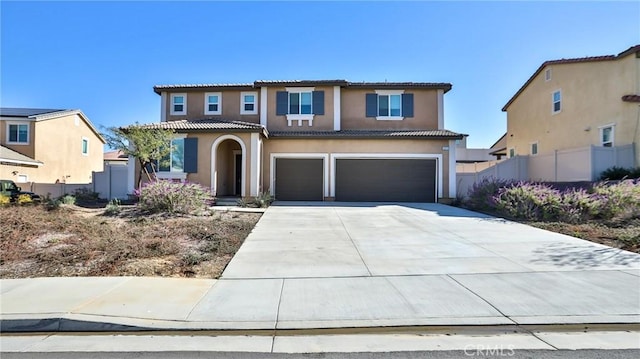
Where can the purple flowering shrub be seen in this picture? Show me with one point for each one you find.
(530, 201)
(481, 194)
(541, 202)
(173, 197)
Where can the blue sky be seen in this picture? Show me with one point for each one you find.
(105, 57)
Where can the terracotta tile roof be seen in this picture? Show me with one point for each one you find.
(631, 98)
(343, 83)
(434, 134)
(159, 88)
(403, 85)
(337, 82)
(115, 156)
(10, 156)
(631, 50)
(205, 125)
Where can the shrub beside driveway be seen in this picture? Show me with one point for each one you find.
(607, 213)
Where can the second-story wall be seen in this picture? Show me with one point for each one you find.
(229, 105)
(425, 111)
(590, 100)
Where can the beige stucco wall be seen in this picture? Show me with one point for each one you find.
(334, 146)
(320, 122)
(6, 172)
(353, 111)
(591, 98)
(57, 143)
(230, 106)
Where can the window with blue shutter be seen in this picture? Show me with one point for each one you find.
(300, 103)
(191, 155)
(282, 103)
(389, 105)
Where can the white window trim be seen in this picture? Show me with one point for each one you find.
(553, 107)
(387, 93)
(613, 133)
(206, 103)
(547, 75)
(81, 149)
(26, 178)
(297, 116)
(531, 148)
(184, 105)
(170, 174)
(9, 123)
(255, 103)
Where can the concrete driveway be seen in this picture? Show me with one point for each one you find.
(367, 264)
(298, 240)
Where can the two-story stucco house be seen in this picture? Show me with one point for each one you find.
(574, 103)
(48, 146)
(311, 140)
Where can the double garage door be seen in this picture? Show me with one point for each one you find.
(357, 180)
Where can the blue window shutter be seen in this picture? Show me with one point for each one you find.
(372, 105)
(318, 102)
(407, 105)
(191, 155)
(282, 103)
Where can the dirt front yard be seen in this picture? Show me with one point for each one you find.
(76, 241)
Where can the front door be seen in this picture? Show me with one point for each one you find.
(238, 174)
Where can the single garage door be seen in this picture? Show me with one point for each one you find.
(386, 180)
(299, 179)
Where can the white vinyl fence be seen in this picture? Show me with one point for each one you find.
(580, 164)
(110, 184)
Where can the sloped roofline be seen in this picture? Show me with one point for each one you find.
(51, 114)
(629, 51)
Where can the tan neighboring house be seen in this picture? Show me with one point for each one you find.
(311, 140)
(576, 103)
(115, 158)
(48, 146)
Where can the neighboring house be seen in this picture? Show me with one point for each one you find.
(471, 155)
(48, 146)
(499, 149)
(115, 158)
(311, 140)
(568, 104)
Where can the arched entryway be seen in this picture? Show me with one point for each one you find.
(228, 166)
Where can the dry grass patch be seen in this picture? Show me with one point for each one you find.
(73, 241)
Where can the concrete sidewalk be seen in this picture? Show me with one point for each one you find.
(365, 265)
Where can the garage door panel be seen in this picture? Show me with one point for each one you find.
(386, 180)
(299, 179)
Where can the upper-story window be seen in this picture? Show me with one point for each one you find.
(18, 133)
(300, 103)
(557, 101)
(534, 148)
(249, 103)
(389, 105)
(213, 103)
(512, 152)
(606, 136)
(85, 146)
(179, 104)
(547, 75)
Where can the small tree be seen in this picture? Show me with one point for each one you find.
(149, 145)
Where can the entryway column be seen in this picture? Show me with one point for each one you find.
(254, 178)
